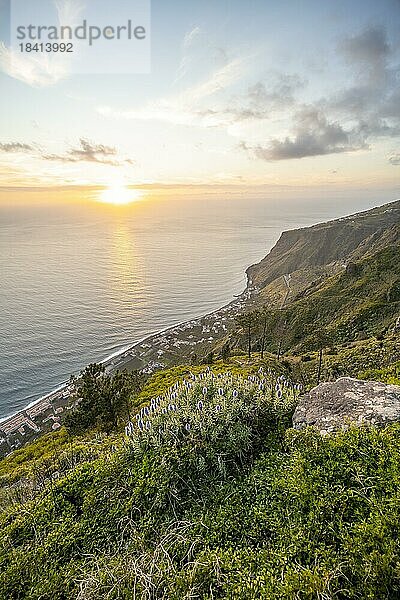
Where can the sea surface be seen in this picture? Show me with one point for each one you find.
(80, 281)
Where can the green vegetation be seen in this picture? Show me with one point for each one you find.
(235, 505)
(25, 459)
(248, 321)
(350, 305)
(358, 303)
(102, 400)
(158, 383)
(372, 358)
(27, 472)
(390, 374)
(313, 250)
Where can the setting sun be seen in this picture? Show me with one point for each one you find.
(119, 195)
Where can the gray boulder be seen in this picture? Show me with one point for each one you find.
(336, 405)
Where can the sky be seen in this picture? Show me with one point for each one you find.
(256, 93)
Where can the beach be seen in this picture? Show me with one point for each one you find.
(173, 345)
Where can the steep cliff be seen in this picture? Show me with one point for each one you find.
(326, 245)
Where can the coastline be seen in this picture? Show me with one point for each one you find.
(155, 351)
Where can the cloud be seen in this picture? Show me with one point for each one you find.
(186, 60)
(348, 120)
(15, 147)
(207, 105)
(36, 71)
(190, 36)
(186, 108)
(219, 81)
(42, 69)
(89, 152)
(374, 96)
(84, 151)
(394, 158)
(369, 49)
(314, 135)
(261, 100)
(278, 93)
(69, 11)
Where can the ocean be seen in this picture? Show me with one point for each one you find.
(79, 281)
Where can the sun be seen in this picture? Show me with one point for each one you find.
(119, 195)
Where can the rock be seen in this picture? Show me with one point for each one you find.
(336, 405)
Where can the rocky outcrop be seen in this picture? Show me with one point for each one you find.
(336, 405)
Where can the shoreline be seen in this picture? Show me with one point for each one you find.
(104, 361)
(62, 386)
(154, 351)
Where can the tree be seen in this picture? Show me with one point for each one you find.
(225, 351)
(281, 331)
(269, 321)
(247, 321)
(322, 339)
(209, 358)
(124, 385)
(101, 399)
(265, 316)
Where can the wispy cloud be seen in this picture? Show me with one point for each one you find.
(42, 69)
(69, 11)
(89, 152)
(13, 147)
(187, 108)
(211, 102)
(223, 97)
(394, 158)
(219, 81)
(37, 71)
(84, 151)
(188, 41)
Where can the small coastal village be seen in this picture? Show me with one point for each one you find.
(194, 337)
(43, 416)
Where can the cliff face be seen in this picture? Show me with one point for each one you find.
(337, 241)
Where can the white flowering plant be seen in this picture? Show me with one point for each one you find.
(222, 418)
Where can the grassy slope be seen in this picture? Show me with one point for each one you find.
(291, 514)
(367, 359)
(348, 305)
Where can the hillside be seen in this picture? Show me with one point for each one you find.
(341, 278)
(274, 284)
(218, 498)
(359, 302)
(321, 249)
